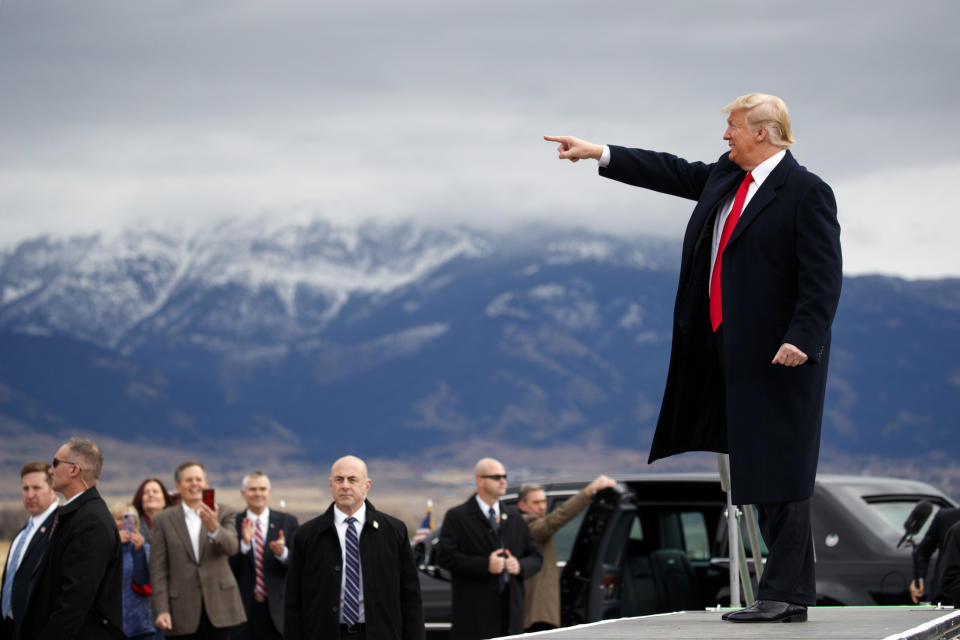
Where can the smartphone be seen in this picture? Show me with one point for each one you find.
(129, 522)
(208, 499)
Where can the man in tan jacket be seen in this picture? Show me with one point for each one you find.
(194, 592)
(541, 608)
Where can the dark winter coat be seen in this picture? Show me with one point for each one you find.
(781, 281)
(466, 541)
(391, 589)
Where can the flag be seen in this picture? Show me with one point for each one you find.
(426, 526)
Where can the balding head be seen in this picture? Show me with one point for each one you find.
(491, 479)
(349, 483)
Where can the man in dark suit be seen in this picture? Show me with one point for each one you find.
(351, 572)
(26, 549)
(489, 552)
(261, 565)
(194, 592)
(751, 340)
(934, 540)
(76, 591)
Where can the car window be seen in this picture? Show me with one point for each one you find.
(895, 513)
(566, 536)
(696, 539)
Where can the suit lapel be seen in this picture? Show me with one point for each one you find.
(180, 526)
(766, 194)
(38, 537)
(273, 528)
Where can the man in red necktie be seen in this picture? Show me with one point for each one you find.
(760, 278)
(260, 566)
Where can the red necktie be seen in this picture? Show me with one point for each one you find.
(716, 302)
(260, 586)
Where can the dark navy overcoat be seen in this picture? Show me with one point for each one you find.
(781, 281)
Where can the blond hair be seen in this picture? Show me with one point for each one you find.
(769, 112)
(120, 509)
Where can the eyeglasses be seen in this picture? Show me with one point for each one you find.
(496, 476)
(57, 461)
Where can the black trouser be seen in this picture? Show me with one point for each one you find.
(206, 631)
(259, 624)
(788, 575)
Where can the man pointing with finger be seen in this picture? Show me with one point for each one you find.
(489, 552)
(760, 277)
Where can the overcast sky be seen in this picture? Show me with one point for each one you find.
(119, 113)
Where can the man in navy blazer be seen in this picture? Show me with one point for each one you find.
(40, 500)
(263, 604)
(760, 278)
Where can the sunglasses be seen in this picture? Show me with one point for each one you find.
(496, 476)
(57, 461)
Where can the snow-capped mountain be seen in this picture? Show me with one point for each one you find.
(388, 339)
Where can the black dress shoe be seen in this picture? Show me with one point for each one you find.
(769, 611)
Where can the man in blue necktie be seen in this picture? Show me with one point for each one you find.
(351, 572)
(26, 549)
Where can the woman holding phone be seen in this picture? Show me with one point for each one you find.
(150, 499)
(135, 551)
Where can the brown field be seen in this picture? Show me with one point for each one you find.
(4, 550)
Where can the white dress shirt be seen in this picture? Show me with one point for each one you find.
(264, 519)
(194, 527)
(759, 173)
(485, 508)
(340, 522)
(37, 520)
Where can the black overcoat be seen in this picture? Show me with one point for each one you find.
(76, 593)
(274, 571)
(391, 589)
(781, 281)
(466, 541)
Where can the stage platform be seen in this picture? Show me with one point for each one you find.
(824, 623)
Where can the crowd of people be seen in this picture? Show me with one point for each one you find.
(180, 564)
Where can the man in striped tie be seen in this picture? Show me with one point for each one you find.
(261, 564)
(351, 572)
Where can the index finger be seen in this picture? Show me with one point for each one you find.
(555, 138)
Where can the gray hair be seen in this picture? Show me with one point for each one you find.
(527, 488)
(251, 476)
(769, 112)
(91, 458)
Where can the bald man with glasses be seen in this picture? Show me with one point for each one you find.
(489, 552)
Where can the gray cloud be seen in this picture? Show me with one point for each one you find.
(176, 112)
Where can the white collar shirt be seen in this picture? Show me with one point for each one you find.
(35, 521)
(485, 508)
(340, 523)
(194, 525)
(264, 519)
(760, 173)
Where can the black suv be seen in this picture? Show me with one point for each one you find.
(658, 543)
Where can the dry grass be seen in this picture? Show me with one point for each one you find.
(4, 550)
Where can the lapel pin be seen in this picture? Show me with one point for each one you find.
(43, 529)
(503, 517)
(376, 525)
